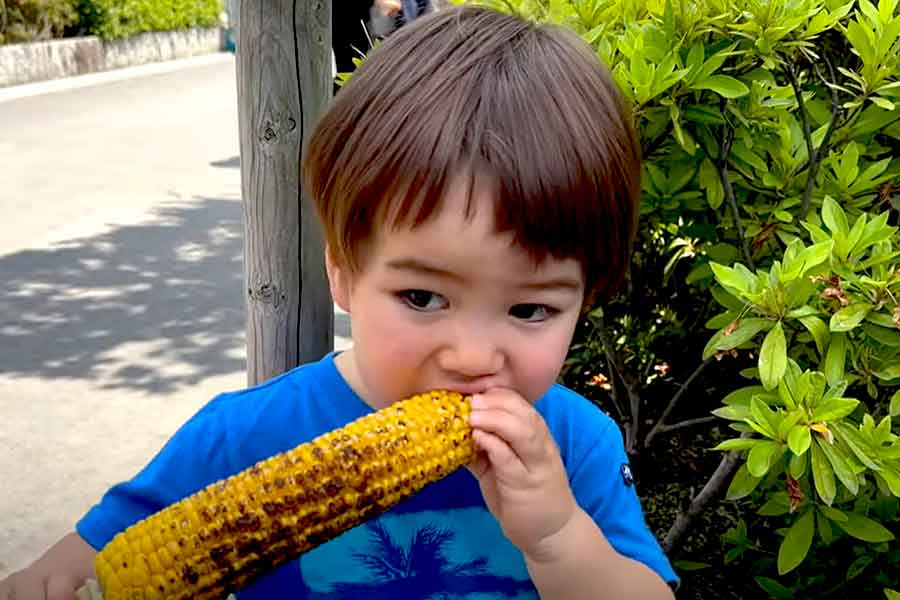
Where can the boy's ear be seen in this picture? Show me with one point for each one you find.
(338, 280)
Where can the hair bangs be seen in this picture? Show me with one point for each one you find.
(493, 100)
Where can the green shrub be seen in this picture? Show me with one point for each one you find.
(35, 20)
(768, 254)
(112, 19)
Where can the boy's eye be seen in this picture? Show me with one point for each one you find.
(423, 300)
(532, 312)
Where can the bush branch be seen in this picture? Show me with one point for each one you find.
(713, 487)
(722, 167)
(660, 424)
(631, 429)
(655, 145)
(686, 423)
(814, 154)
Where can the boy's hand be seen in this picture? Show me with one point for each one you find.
(30, 584)
(522, 477)
(54, 576)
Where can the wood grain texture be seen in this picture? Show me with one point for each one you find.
(284, 83)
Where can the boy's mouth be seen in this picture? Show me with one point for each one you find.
(467, 389)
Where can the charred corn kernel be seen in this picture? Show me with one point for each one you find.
(218, 539)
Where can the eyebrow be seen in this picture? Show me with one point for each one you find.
(418, 266)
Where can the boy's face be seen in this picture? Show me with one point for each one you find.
(453, 305)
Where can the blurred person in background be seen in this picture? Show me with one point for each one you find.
(357, 24)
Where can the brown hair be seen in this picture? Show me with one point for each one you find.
(526, 108)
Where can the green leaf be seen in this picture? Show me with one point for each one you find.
(738, 444)
(744, 332)
(849, 317)
(855, 442)
(841, 467)
(881, 320)
(891, 594)
(858, 566)
(743, 395)
(788, 394)
(695, 57)
(761, 457)
(710, 181)
(860, 41)
(773, 357)
(799, 439)
(834, 217)
(882, 102)
(823, 475)
(776, 506)
(883, 335)
(819, 331)
(689, 565)
(765, 417)
(742, 484)
(803, 311)
(895, 404)
(722, 319)
(726, 299)
(825, 528)
(714, 62)
(891, 478)
(731, 278)
(832, 410)
(796, 543)
(865, 529)
(888, 373)
(733, 413)
(833, 514)
(725, 86)
(835, 358)
(773, 588)
(797, 465)
(815, 255)
(699, 273)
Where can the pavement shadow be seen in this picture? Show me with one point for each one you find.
(170, 289)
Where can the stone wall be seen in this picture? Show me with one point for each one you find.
(40, 61)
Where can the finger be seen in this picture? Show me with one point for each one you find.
(477, 467)
(526, 434)
(60, 588)
(499, 454)
(504, 399)
(26, 588)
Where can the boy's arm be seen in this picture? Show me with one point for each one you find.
(55, 575)
(525, 486)
(578, 563)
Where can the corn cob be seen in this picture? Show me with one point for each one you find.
(217, 540)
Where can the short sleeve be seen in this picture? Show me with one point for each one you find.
(600, 476)
(190, 460)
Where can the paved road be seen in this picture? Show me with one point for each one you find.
(121, 310)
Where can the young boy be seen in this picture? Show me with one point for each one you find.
(477, 183)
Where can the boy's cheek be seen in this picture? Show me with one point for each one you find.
(390, 360)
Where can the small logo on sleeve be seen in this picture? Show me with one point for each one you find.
(627, 477)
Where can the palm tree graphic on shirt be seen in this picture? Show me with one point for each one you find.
(424, 567)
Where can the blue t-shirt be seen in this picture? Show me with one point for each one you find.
(440, 543)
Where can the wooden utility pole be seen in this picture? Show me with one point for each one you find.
(284, 80)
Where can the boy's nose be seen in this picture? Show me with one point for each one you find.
(471, 359)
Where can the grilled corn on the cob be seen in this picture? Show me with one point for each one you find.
(218, 539)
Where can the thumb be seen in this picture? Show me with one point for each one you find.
(479, 466)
